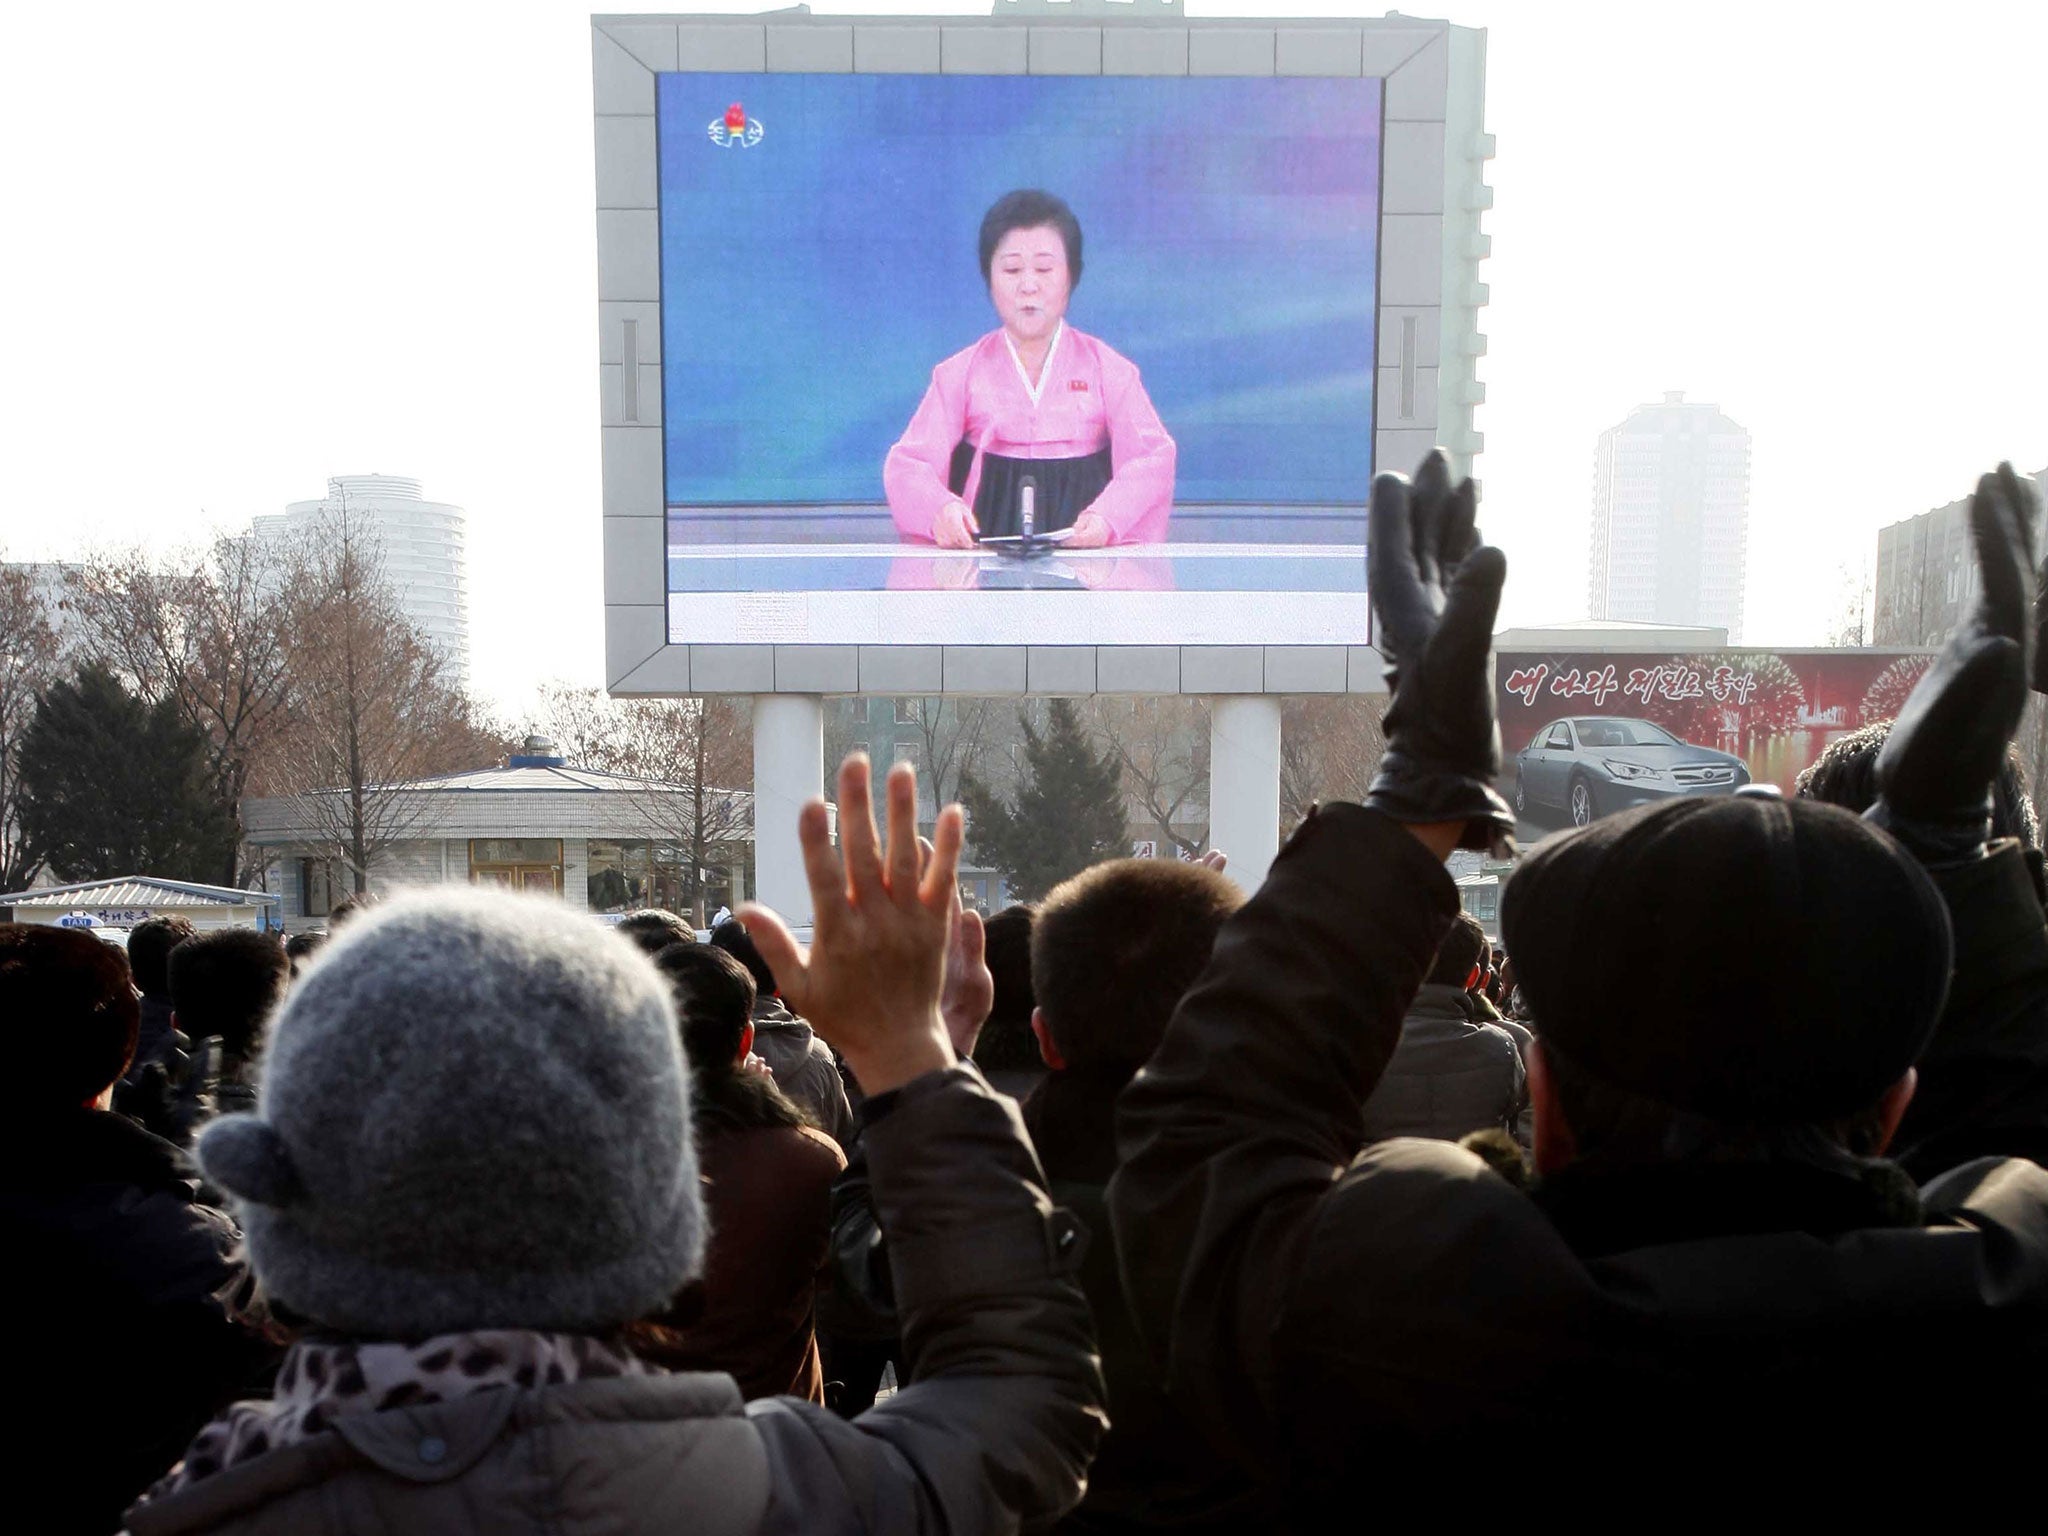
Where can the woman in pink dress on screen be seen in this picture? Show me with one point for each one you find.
(1038, 399)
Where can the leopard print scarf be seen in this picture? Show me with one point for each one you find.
(321, 1380)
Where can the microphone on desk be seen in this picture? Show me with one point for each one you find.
(1027, 506)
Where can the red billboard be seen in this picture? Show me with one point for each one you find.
(1587, 733)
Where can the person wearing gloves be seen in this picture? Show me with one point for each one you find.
(1716, 1280)
(472, 1168)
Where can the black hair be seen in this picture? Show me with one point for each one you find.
(228, 983)
(149, 946)
(1114, 949)
(349, 908)
(1463, 947)
(732, 937)
(71, 1013)
(1845, 774)
(654, 930)
(1006, 1041)
(714, 999)
(301, 947)
(1618, 1126)
(1029, 208)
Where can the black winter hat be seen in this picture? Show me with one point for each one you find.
(1749, 959)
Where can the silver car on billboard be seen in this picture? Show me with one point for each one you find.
(1587, 766)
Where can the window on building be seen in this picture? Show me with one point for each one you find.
(517, 863)
(316, 887)
(906, 752)
(628, 874)
(861, 747)
(906, 712)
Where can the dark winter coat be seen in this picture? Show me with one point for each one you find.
(804, 1068)
(997, 1432)
(1153, 1473)
(1983, 1088)
(1323, 1306)
(768, 1194)
(155, 1038)
(117, 1337)
(1452, 1074)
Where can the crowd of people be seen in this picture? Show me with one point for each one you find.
(477, 1215)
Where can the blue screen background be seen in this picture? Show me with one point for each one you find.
(811, 282)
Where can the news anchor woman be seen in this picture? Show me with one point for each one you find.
(1033, 398)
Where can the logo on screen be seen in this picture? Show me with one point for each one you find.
(735, 130)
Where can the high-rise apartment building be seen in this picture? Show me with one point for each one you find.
(421, 543)
(1671, 517)
(1926, 573)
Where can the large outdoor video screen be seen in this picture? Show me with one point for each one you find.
(1008, 359)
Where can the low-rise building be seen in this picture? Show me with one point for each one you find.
(603, 842)
(122, 903)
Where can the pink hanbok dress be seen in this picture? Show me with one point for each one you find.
(1086, 435)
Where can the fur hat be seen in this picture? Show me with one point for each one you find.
(473, 1113)
(1746, 958)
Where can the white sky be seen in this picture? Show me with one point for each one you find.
(247, 247)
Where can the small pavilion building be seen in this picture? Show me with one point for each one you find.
(603, 842)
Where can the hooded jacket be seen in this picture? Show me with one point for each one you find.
(804, 1068)
(1322, 1305)
(1452, 1074)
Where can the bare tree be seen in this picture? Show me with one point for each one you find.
(688, 765)
(372, 707)
(1330, 747)
(28, 664)
(1850, 626)
(205, 629)
(952, 734)
(1163, 746)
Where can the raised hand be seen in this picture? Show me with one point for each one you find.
(1436, 589)
(1938, 766)
(871, 981)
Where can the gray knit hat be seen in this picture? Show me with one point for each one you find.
(474, 1113)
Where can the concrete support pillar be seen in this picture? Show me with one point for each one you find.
(1244, 783)
(789, 768)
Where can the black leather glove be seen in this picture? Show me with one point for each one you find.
(1938, 766)
(1436, 590)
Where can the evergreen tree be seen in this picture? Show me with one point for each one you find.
(1069, 812)
(113, 786)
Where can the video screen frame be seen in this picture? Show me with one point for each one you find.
(1430, 243)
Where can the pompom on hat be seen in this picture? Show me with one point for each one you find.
(473, 1113)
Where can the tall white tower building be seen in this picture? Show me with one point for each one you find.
(422, 546)
(1671, 517)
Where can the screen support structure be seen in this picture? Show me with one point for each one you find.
(789, 771)
(1244, 784)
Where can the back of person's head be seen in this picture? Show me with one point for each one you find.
(1006, 1042)
(1463, 951)
(1114, 950)
(654, 930)
(228, 983)
(68, 1012)
(1845, 774)
(301, 947)
(475, 1114)
(1806, 962)
(349, 908)
(714, 998)
(732, 937)
(149, 949)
